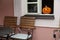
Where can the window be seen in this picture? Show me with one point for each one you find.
(36, 6)
(32, 6)
(40, 8)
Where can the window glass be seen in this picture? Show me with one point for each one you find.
(32, 8)
(32, 0)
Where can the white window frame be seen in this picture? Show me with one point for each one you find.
(39, 8)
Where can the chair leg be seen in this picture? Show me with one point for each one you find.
(7, 39)
(0, 39)
(12, 39)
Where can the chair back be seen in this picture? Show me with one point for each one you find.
(10, 21)
(27, 22)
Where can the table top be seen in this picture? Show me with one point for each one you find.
(5, 30)
(21, 36)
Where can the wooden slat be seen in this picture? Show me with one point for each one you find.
(10, 21)
(27, 22)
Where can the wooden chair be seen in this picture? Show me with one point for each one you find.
(26, 25)
(11, 22)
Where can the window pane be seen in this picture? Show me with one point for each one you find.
(32, 8)
(32, 0)
(49, 3)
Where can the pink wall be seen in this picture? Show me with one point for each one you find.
(44, 33)
(6, 9)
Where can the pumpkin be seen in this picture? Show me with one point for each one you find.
(46, 10)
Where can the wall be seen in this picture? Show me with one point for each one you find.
(20, 6)
(6, 9)
(45, 33)
(42, 31)
(17, 9)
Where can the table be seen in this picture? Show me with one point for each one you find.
(5, 32)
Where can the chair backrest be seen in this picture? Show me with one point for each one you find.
(10, 21)
(27, 22)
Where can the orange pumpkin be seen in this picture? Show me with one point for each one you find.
(46, 10)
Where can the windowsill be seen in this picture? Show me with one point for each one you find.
(41, 16)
